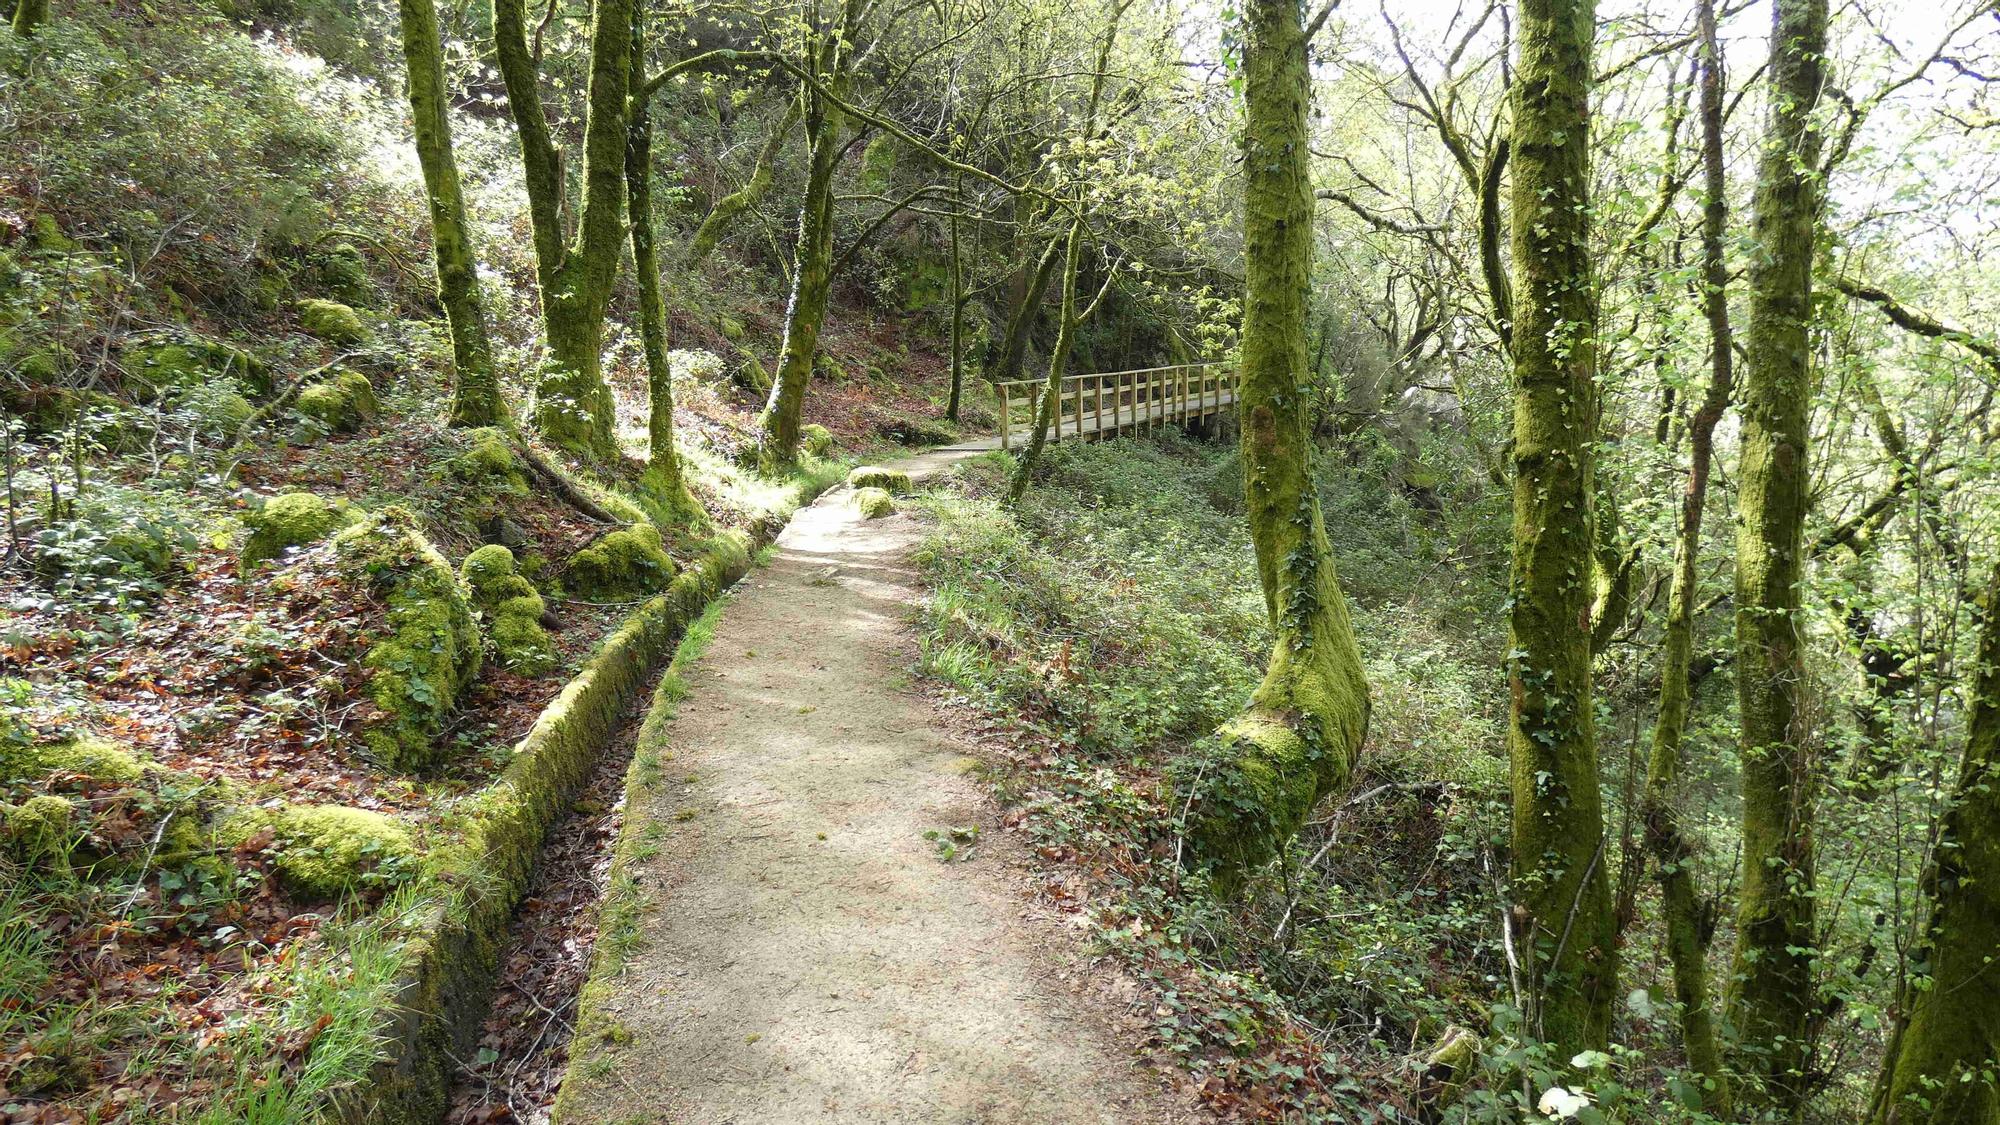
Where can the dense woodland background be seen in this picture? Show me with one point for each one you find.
(1617, 454)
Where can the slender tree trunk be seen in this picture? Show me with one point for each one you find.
(812, 282)
(1298, 738)
(662, 481)
(1013, 351)
(1687, 930)
(1771, 995)
(1045, 415)
(812, 269)
(1942, 1061)
(573, 406)
(725, 211)
(1563, 919)
(475, 399)
(958, 303)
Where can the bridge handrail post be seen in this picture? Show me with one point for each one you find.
(1006, 419)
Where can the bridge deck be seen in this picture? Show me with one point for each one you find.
(1106, 403)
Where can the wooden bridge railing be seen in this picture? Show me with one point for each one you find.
(1109, 402)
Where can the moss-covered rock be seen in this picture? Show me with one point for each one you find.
(753, 376)
(333, 322)
(629, 562)
(730, 327)
(895, 482)
(292, 519)
(82, 756)
(489, 461)
(342, 272)
(815, 439)
(874, 503)
(193, 361)
(341, 404)
(325, 852)
(430, 653)
(41, 831)
(513, 610)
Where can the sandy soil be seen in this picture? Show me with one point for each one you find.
(808, 955)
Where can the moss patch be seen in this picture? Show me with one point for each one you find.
(41, 831)
(196, 361)
(815, 439)
(874, 503)
(895, 482)
(82, 755)
(431, 652)
(341, 403)
(331, 851)
(333, 322)
(293, 519)
(624, 563)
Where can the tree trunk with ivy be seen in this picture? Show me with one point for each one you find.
(662, 483)
(1771, 995)
(1687, 930)
(812, 261)
(475, 399)
(573, 406)
(1298, 738)
(1943, 1063)
(1562, 921)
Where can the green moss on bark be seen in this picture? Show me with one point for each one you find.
(1563, 921)
(1771, 995)
(1943, 1063)
(1303, 728)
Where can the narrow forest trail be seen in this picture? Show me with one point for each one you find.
(806, 954)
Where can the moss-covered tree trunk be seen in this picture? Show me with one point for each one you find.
(716, 223)
(812, 260)
(573, 406)
(1771, 997)
(475, 399)
(1686, 929)
(958, 302)
(1298, 738)
(29, 15)
(1051, 401)
(1943, 1064)
(1012, 353)
(662, 482)
(1563, 916)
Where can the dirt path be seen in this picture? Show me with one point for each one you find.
(807, 956)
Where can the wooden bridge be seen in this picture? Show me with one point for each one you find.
(1106, 403)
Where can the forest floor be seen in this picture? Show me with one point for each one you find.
(835, 927)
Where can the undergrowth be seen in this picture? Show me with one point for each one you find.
(1104, 628)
